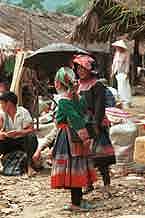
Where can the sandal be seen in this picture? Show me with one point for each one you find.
(86, 205)
(67, 207)
(74, 208)
(89, 206)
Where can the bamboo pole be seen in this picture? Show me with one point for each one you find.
(36, 77)
(17, 75)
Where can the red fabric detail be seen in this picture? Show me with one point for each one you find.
(61, 162)
(67, 181)
(85, 85)
(80, 149)
(106, 122)
(117, 112)
(104, 151)
(109, 150)
(62, 125)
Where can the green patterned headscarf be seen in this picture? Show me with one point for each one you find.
(66, 76)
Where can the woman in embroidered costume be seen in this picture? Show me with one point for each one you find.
(94, 93)
(71, 167)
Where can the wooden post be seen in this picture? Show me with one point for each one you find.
(36, 78)
(135, 61)
(143, 55)
(37, 102)
(111, 40)
(143, 61)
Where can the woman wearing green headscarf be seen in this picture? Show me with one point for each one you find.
(71, 167)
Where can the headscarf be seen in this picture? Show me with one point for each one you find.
(66, 76)
(84, 60)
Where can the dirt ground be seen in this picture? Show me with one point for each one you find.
(23, 197)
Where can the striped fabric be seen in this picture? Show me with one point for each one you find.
(70, 171)
(116, 115)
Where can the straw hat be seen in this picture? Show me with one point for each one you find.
(120, 43)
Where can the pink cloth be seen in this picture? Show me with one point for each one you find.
(84, 60)
(116, 115)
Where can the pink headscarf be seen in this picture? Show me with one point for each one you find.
(84, 60)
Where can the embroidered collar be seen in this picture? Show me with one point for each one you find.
(86, 85)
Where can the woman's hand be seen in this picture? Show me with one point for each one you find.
(14, 134)
(50, 156)
(88, 143)
(36, 155)
(3, 135)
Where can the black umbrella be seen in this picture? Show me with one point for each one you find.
(50, 58)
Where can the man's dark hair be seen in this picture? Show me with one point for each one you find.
(4, 79)
(9, 96)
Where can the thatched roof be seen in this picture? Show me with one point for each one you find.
(107, 18)
(34, 29)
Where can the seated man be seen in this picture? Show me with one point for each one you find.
(16, 128)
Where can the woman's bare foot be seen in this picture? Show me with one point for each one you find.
(31, 172)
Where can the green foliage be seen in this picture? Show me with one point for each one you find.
(6, 1)
(120, 19)
(33, 4)
(75, 7)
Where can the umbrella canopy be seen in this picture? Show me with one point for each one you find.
(50, 58)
